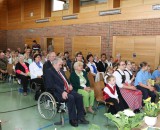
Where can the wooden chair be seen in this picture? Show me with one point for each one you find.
(10, 71)
(98, 91)
(91, 80)
(67, 73)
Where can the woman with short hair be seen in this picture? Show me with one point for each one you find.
(80, 83)
(22, 72)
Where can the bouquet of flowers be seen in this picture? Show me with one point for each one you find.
(151, 109)
(125, 120)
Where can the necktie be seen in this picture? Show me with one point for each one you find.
(65, 82)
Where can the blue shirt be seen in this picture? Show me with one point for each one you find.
(141, 77)
(155, 74)
(148, 75)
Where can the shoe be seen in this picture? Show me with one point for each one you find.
(73, 123)
(83, 121)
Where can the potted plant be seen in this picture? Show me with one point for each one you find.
(151, 111)
(125, 120)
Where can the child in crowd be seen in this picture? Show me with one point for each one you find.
(110, 95)
(109, 72)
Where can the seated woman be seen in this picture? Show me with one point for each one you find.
(36, 71)
(22, 73)
(141, 83)
(130, 94)
(156, 78)
(110, 95)
(91, 65)
(81, 84)
(129, 76)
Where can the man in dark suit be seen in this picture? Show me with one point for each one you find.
(48, 63)
(102, 65)
(57, 84)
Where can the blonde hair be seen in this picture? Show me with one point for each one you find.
(78, 63)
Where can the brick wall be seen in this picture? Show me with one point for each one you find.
(3, 39)
(107, 30)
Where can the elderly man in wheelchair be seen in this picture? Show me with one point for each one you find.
(56, 84)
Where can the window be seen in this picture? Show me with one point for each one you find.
(59, 5)
(89, 2)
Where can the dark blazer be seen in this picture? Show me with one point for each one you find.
(46, 66)
(101, 67)
(75, 81)
(54, 83)
(21, 68)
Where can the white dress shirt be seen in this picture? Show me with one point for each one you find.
(106, 90)
(128, 76)
(91, 68)
(35, 70)
(118, 78)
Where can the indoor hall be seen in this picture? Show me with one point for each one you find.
(103, 53)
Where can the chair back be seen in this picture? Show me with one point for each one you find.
(98, 90)
(91, 79)
(99, 77)
(67, 73)
(10, 69)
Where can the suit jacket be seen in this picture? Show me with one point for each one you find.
(54, 83)
(75, 81)
(101, 67)
(21, 68)
(46, 66)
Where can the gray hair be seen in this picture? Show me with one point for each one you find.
(19, 56)
(78, 63)
(56, 60)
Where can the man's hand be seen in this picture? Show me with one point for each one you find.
(64, 95)
(88, 89)
(70, 87)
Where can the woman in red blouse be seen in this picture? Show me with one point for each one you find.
(22, 72)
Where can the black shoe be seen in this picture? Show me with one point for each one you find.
(83, 121)
(73, 123)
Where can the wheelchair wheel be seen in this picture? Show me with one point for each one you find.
(47, 106)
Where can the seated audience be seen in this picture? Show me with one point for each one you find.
(109, 61)
(109, 72)
(141, 83)
(36, 72)
(156, 78)
(130, 94)
(96, 60)
(81, 84)
(64, 65)
(3, 65)
(102, 65)
(91, 65)
(128, 73)
(22, 73)
(57, 84)
(79, 57)
(110, 95)
(68, 60)
(48, 63)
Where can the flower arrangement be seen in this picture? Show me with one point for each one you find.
(125, 120)
(151, 109)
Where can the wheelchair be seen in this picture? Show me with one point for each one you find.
(48, 107)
